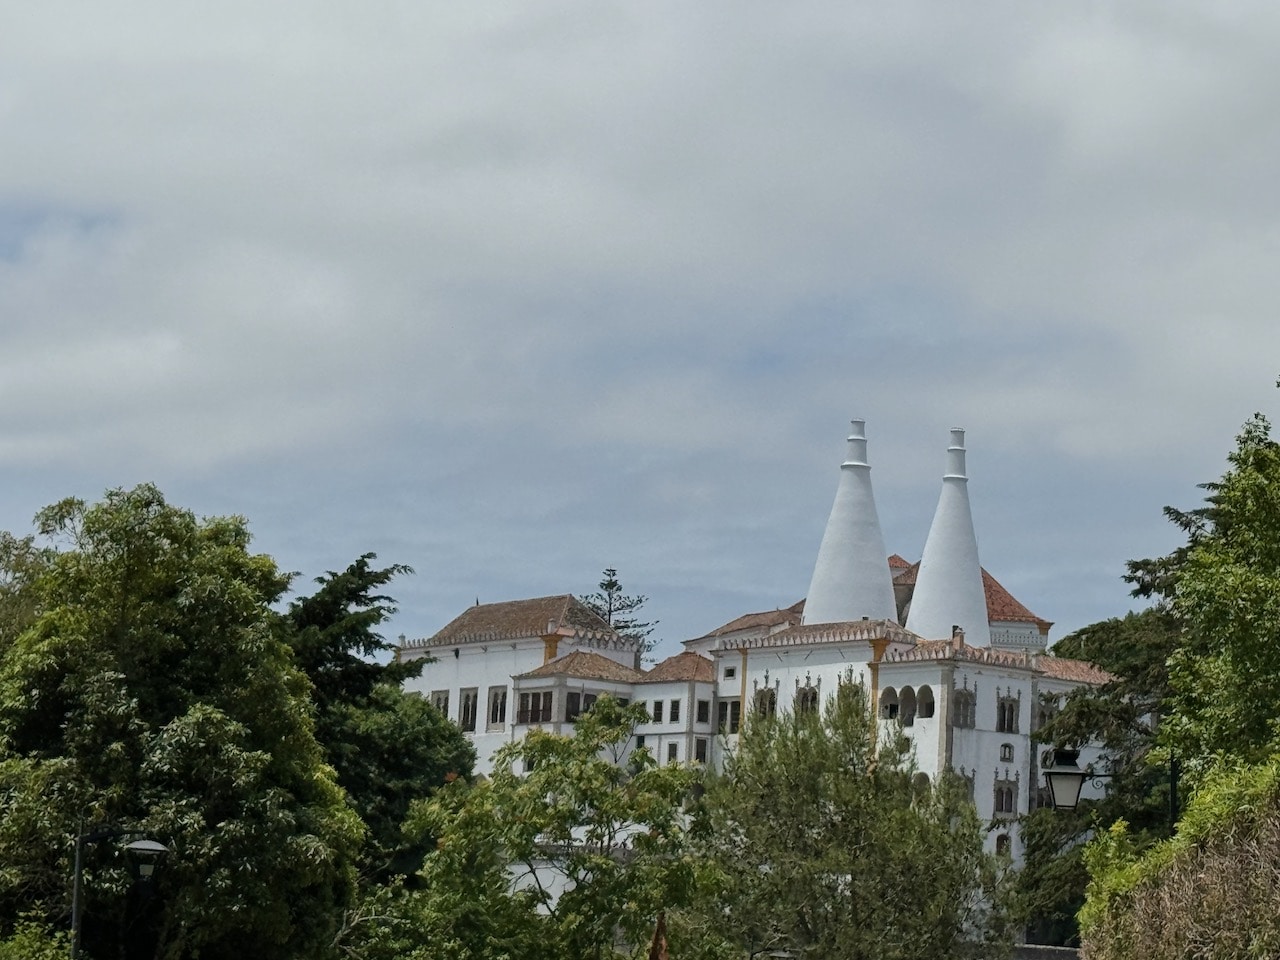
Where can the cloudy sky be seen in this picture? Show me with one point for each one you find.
(514, 292)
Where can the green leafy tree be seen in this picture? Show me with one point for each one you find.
(388, 747)
(620, 610)
(564, 860)
(1225, 702)
(150, 690)
(828, 844)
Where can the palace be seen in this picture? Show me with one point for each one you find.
(952, 658)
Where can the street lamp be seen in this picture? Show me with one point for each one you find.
(1066, 779)
(146, 852)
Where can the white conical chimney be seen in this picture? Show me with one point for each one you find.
(949, 589)
(851, 579)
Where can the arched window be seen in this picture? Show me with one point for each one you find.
(1002, 844)
(964, 708)
(889, 704)
(907, 706)
(1006, 752)
(766, 702)
(806, 700)
(924, 703)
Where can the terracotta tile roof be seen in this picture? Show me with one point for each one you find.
(683, 666)
(519, 618)
(1077, 671)
(584, 665)
(755, 621)
(1002, 607)
(907, 576)
(898, 563)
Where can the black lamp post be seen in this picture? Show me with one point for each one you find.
(1066, 780)
(146, 853)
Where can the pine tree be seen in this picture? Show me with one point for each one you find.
(619, 609)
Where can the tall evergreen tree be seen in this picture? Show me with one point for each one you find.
(620, 610)
(389, 747)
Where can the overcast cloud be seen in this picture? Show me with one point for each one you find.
(511, 293)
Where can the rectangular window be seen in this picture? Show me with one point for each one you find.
(440, 700)
(497, 707)
(673, 752)
(657, 711)
(639, 740)
(577, 704)
(730, 672)
(700, 750)
(730, 715)
(468, 703)
(704, 711)
(673, 712)
(535, 708)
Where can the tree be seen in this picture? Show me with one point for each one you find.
(388, 747)
(618, 609)
(149, 690)
(828, 844)
(1121, 715)
(564, 859)
(1225, 700)
(1210, 890)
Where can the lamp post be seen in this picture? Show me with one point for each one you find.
(146, 852)
(1066, 780)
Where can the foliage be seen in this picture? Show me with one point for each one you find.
(830, 846)
(1122, 716)
(32, 940)
(150, 690)
(564, 859)
(1209, 892)
(619, 609)
(1225, 702)
(389, 747)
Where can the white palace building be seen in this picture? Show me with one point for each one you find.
(951, 656)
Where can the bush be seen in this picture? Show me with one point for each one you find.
(1211, 891)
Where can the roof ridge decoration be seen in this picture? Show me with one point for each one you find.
(949, 591)
(815, 633)
(851, 577)
(1033, 660)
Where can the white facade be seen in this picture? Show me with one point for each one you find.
(501, 669)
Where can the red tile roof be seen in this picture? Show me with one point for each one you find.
(907, 576)
(1002, 607)
(683, 666)
(584, 665)
(1077, 671)
(767, 619)
(517, 619)
(896, 562)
